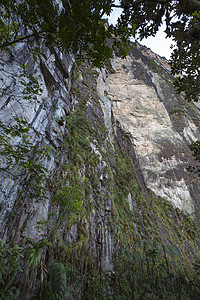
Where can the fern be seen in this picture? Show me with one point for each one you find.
(57, 280)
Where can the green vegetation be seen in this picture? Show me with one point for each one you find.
(10, 266)
(149, 271)
(195, 148)
(57, 280)
(153, 242)
(82, 27)
(156, 247)
(34, 252)
(70, 26)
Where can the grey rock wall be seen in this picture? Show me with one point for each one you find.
(44, 115)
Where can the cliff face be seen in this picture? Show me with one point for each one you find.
(116, 169)
(161, 125)
(41, 111)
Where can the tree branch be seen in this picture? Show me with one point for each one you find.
(142, 1)
(19, 40)
(116, 6)
(6, 171)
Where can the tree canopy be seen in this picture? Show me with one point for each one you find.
(182, 19)
(80, 26)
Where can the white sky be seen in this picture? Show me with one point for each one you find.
(158, 44)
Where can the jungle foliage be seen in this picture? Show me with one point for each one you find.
(146, 269)
(80, 26)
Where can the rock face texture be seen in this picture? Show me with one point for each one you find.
(42, 109)
(140, 95)
(93, 160)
